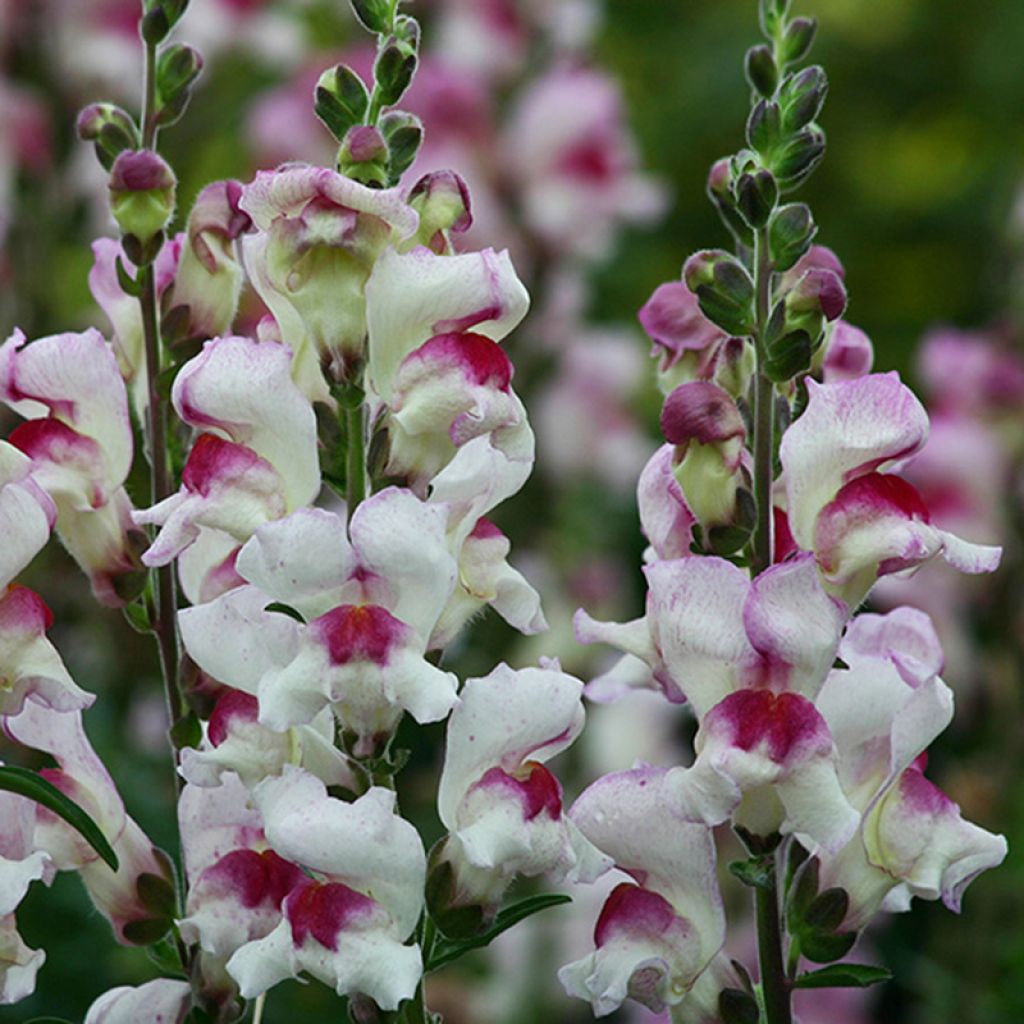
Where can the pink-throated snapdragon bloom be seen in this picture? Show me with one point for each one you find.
(255, 457)
(843, 503)
(750, 657)
(883, 712)
(318, 235)
(77, 431)
(27, 513)
(501, 805)
(660, 932)
(369, 608)
(347, 924)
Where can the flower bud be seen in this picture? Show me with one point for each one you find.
(341, 99)
(735, 366)
(797, 158)
(404, 134)
(724, 289)
(441, 198)
(762, 72)
(209, 277)
(702, 420)
(373, 14)
(764, 127)
(110, 128)
(756, 196)
(790, 232)
(177, 68)
(142, 189)
(798, 39)
(393, 70)
(819, 293)
(802, 97)
(363, 156)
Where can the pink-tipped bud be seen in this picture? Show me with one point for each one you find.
(142, 189)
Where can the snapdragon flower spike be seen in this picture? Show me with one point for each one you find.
(884, 711)
(502, 807)
(750, 657)
(80, 774)
(236, 742)
(30, 667)
(161, 1001)
(208, 278)
(370, 607)
(27, 513)
(123, 310)
(451, 389)
(659, 932)
(415, 296)
(255, 458)
(349, 925)
(318, 236)
(860, 520)
(77, 431)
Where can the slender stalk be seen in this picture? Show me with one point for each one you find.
(764, 412)
(257, 1013)
(774, 985)
(355, 477)
(164, 621)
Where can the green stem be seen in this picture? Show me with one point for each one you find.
(764, 412)
(164, 623)
(774, 985)
(355, 477)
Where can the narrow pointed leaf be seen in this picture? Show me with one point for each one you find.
(27, 783)
(843, 976)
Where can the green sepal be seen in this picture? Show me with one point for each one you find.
(156, 894)
(802, 97)
(177, 68)
(764, 127)
(756, 196)
(737, 1007)
(788, 356)
(374, 15)
(138, 616)
(447, 950)
(844, 976)
(186, 731)
(14, 779)
(164, 955)
(827, 910)
(754, 872)
(403, 133)
(797, 157)
(791, 230)
(146, 932)
(128, 283)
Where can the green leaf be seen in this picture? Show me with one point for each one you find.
(27, 783)
(285, 609)
(445, 950)
(844, 976)
(788, 357)
(164, 955)
(137, 614)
